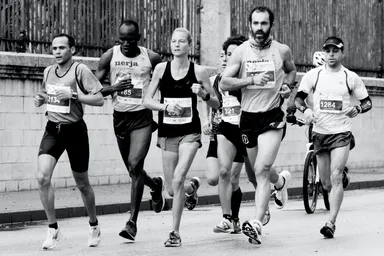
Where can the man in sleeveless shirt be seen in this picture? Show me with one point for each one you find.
(332, 86)
(129, 67)
(264, 71)
(66, 88)
(226, 152)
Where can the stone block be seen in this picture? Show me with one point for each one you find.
(24, 185)
(11, 104)
(11, 185)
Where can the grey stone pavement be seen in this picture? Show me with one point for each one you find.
(25, 206)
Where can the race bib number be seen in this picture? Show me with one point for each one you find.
(132, 95)
(253, 68)
(53, 103)
(182, 117)
(331, 103)
(231, 110)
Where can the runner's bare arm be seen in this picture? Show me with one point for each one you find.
(103, 70)
(149, 102)
(91, 99)
(229, 82)
(288, 65)
(210, 98)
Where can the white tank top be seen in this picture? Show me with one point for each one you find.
(261, 98)
(139, 70)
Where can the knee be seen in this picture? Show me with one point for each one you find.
(225, 174)
(43, 180)
(135, 168)
(336, 176)
(83, 187)
(170, 192)
(262, 171)
(213, 181)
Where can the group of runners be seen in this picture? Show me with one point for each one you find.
(242, 116)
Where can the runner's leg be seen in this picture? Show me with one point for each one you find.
(268, 147)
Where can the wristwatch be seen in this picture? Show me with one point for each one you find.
(207, 97)
(74, 95)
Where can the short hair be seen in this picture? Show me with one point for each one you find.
(71, 40)
(262, 9)
(236, 40)
(189, 37)
(130, 23)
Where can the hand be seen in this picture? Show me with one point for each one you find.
(174, 108)
(199, 90)
(285, 91)
(309, 116)
(63, 94)
(123, 85)
(39, 99)
(352, 112)
(207, 128)
(261, 79)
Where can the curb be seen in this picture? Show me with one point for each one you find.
(79, 211)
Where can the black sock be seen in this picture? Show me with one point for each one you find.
(227, 216)
(236, 202)
(54, 225)
(94, 223)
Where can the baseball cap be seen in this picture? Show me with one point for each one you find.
(334, 41)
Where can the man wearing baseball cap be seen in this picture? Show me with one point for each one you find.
(332, 86)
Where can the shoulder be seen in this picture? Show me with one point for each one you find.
(200, 70)
(154, 57)
(350, 73)
(161, 67)
(313, 73)
(284, 50)
(107, 56)
(81, 67)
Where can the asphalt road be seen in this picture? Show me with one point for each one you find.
(360, 231)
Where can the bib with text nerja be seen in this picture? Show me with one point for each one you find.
(132, 95)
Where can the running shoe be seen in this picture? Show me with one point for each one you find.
(328, 230)
(174, 240)
(345, 177)
(253, 229)
(267, 216)
(94, 236)
(53, 235)
(192, 199)
(129, 231)
(158, 199)
(236, 226)
(225, 226)
(281, 195)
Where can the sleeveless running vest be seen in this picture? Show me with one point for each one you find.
(62, 111)
(261, 98)
(187, 121)
(139, 70)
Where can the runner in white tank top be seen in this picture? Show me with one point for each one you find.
(129, 67)
(264, 70)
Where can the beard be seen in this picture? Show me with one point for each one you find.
(260, 36)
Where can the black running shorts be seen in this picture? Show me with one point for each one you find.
(71, 137)
(125, 122)
(254, 124)
(327, 142)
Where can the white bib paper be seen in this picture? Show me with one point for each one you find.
(53, 103)
(253, 68)
(182, 117)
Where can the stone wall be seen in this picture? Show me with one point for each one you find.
(22, 126)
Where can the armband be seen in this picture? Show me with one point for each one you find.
(207, 97)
